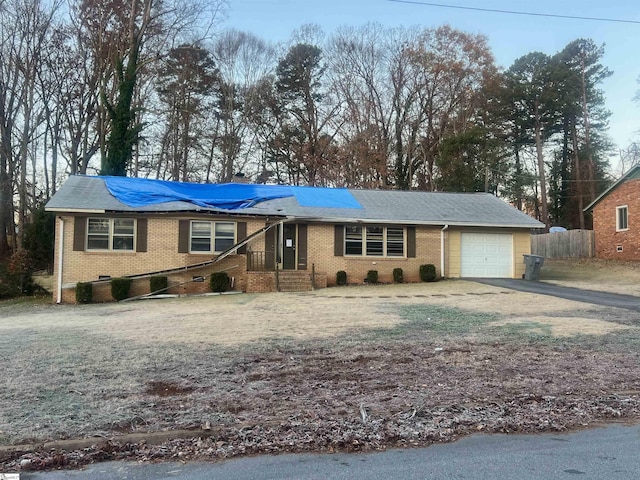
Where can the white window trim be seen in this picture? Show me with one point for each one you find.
(111, 235)
(618, 209)
(384, 242)
(212, 238)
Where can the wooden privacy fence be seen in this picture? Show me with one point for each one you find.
(572, 243)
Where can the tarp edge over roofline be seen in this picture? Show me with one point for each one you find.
(140, 192)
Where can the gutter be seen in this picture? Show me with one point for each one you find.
(429, 223)
(60, 262)
(75, 210)
(444, 229)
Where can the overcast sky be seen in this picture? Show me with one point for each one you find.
(510, 36)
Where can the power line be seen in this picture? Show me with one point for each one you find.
(512, 12)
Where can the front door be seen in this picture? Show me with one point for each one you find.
(289, 234)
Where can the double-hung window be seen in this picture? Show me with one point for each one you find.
(210, 237)
(622, 219)
(111, 234)
(374, 241)
(225, 235)
(353, 240)
(395, 242)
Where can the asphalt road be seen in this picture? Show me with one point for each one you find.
(610, 453)
(628, 302)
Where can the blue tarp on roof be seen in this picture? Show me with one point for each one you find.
(325, 197)
(140, 192)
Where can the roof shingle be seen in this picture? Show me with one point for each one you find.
(89, 194)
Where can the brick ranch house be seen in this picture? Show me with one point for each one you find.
(616, 219)
(270, 237)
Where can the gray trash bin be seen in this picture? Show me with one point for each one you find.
(533, 264)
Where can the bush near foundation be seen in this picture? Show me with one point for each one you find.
(219, 282)
(428, 273)
(398, 275)
(120, 288)
(372, 277)
(341, 277)
(158, 282)
(84, 292)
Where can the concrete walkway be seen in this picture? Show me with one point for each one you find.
(628, 302)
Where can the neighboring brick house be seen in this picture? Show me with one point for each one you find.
(105, 230)
(616, 219)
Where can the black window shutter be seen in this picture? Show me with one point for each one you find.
(241, 232)
(183, 236)
(79, 233)
(302, 246)
(338, 242)
(411, 242)
(270, 248)
(141, 234)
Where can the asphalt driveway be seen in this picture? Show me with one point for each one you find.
(628, 302)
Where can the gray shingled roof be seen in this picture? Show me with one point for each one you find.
(633, 174)
(89, 194)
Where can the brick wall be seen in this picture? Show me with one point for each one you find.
(607, 239)
(260, 282)
(162, 254)
(321, 252)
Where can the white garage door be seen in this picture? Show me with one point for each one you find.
(487, 255)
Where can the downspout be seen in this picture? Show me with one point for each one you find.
(60, 261)
(444, 229)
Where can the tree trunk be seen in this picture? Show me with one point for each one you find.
(6, 205)
(544, 208)
(578, 176)
(587, 136)
(518, 181)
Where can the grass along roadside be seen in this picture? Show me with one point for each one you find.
(593, 274)
(352, 368)
(66, 383)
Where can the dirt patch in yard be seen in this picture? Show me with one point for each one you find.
(339, 369)
(166, 389)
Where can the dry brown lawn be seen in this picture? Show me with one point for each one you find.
(345, 368)
(603, 275)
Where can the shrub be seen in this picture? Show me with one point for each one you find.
(19, 270)
(341, 277)
(84, 292)
(15, 276)
(398, 275)
(372, 276)
(39, 239)
(7, 289)
(219, 282)
(120, 288)
(159, 282)
(428, 273)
